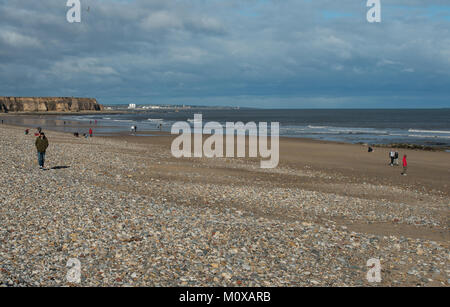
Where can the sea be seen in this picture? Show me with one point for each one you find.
(430, 127)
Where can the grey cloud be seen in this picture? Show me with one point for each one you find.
(275, 52)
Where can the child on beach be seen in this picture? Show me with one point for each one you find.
(41, 146)
(405, 166)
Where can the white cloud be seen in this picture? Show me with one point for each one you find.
(161, 20)
(15, 39)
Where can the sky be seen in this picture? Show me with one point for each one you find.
(248, 53)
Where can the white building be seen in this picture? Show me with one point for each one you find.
(132, 106)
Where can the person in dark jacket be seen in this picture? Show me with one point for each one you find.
(391, 156)
(396, 158)
(41, 146)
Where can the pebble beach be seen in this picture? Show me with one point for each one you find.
(135, 216)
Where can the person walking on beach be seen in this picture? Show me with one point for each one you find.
(405, 165)
(396, 158)
(392, 156)
(41, 146)
(90, 132)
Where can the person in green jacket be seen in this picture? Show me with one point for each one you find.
(41, 146)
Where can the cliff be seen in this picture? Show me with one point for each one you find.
(48, 104)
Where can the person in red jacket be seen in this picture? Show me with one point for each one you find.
(405, 165)
(90, 132)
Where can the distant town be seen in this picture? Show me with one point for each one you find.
(136, 107)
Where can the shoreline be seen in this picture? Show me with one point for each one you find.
(81, 125)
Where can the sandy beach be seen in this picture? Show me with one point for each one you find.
(134, 215)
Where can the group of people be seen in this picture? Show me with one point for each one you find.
(86, 135)
(134, 129)
(393, 156)
(41, 144)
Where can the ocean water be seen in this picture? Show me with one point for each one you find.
(423, 127)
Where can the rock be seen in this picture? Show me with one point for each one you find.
(47, 104)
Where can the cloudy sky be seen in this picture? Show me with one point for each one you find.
(256, 53)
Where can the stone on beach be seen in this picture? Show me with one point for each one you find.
(133, 215)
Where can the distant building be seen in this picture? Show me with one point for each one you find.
(151, 107)
(132, 106)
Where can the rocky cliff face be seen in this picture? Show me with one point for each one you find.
(48, 104)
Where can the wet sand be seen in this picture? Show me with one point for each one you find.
(427, 171)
